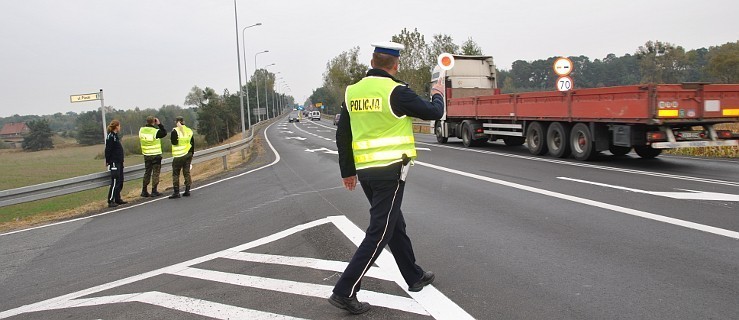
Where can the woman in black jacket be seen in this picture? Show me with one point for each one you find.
(114, 163)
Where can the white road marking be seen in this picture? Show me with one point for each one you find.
(633, 212)
(691, 195)
(592, 166)
(424, 149)
(185, 304)
(427, 302)
(287, 131)
(435, 302)
(318, 264)
(295, 138)
(302, 288)
(325, 150)
(313, 134)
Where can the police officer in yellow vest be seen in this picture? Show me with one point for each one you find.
(183, 148)
(150, 137)
(376, 146)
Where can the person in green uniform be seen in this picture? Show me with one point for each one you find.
(183, 148)
(150, 137)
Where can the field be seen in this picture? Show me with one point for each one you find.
(69, 160)
(66, 160)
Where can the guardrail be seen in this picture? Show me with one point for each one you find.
(100, 179)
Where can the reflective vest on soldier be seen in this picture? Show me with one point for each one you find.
(379, 138)
(150, 145)
(183, 142)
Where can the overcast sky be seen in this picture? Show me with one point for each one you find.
(148, 53)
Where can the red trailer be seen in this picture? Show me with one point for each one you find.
(584, 122)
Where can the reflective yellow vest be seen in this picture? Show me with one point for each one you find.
(183, 142)
(150, 145)
(379, 138)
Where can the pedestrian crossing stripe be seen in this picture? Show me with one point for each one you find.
(429, 301)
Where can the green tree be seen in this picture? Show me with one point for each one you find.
(662, 62)
(441, 43)
(723, 62)
(39, 138)
(343, 70)
(414, 67)
(471, 48)
(89, 126)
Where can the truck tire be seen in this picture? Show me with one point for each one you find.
(558, 141)
(619, 151)
(467, 140)
(536, 138)
(514, 141)
(581, 142)
(439, 134)
(647, 152)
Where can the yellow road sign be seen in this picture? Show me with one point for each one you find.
(84, 97)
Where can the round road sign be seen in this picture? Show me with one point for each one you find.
(562, 66)
(565, 84)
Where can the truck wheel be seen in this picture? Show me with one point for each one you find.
(467, 136)
(647, 152)
(558, 141)
(514, 141)
(439, 135)
(581, 141)
(619, 150)
(536, 138)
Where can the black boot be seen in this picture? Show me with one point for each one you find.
(176, 193)
(154, 192)
(187, 191)
(144, 193)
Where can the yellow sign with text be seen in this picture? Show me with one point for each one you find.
(84, 97)
(365, 105)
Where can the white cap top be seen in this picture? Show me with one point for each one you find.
(388, 47)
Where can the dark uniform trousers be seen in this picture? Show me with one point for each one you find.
(116, 182)
(387, 227)
(181, 164)
(152, 167)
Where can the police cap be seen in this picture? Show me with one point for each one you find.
(387, 47)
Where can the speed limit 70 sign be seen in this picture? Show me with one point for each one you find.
(564, 84)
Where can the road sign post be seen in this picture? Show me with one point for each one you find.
(91, 97)
(563, 67)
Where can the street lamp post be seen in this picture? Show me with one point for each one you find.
(276, 107)
(266, 101)
(256, 83)
(246, 78)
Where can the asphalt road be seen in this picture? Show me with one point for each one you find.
(508, 235)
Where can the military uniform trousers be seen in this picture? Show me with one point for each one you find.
(387, 227)
(152, 167)
(116, 182)
(181, 164)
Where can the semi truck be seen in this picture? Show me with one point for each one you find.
(582, 122)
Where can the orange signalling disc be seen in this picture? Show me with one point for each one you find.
(446, 61)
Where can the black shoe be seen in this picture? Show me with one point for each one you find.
(112, 204)
(187, 192)
(121, 202)
(426, 279)
(155, 193)
(350, 304)
(145, 194)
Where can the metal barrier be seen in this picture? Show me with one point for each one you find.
(100, 179)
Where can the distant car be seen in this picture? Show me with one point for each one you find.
(336, 119)
(293, 117)
(315, 115)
